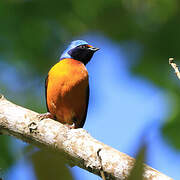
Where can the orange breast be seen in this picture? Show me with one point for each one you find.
(66, 91)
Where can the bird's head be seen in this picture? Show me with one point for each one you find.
(79, 50)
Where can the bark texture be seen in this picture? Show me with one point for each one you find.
(83, 150)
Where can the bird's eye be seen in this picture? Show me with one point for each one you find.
(82, 46)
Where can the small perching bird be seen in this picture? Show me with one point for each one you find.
(67, 85)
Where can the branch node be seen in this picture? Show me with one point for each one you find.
(175, 67)
(32, 127)
(171, 60)
(100, 160)
(1, 96)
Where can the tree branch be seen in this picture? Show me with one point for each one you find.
(83, 150)
(175, 67)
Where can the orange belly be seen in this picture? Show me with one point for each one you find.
(67, 91)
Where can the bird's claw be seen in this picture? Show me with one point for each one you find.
(45, 115)
(71, 126)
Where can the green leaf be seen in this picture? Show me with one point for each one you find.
(50, 165)
(138, 169)
(6, 156)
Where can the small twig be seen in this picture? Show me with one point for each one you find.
(175, 67)
(100, 160)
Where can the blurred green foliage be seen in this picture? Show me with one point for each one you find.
(138, 169)
(50, 165)
(32, 31)
(5, 152)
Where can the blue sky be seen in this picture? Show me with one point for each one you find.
(124, 109)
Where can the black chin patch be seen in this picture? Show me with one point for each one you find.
(81, 54)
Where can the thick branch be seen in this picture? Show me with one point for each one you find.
(83, 150)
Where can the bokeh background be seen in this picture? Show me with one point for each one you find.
(134, 93)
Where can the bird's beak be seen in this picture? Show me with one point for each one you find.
(93, 49)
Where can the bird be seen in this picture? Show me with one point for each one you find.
(67, 85)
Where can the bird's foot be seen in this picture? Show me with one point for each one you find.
(45, 115)
(71, 126)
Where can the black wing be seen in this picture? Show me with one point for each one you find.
(46, 83)
(85, 114)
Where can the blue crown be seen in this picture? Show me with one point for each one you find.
(71, 46)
